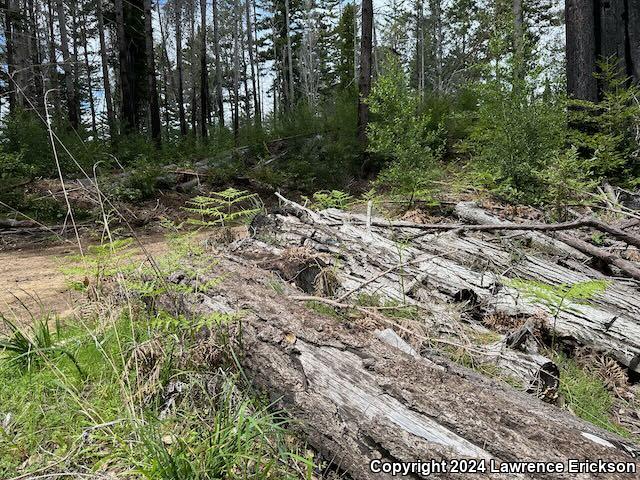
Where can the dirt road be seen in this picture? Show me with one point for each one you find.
(32, 282)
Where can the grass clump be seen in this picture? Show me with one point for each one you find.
(586, 395)
(113, 416)
(139, 392)
(231, 437)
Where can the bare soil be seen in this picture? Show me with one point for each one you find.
(32, 281)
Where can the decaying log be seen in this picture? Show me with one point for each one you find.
(477, 272)
(438, 326)
(471, 213)
(620, 234)
(11, 223)
(356, 398)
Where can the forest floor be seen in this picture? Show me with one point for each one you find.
(35, 283)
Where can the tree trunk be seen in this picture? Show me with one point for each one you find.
(257, 64)
(37, 90)
(10, 52)
(633, 29)
(154, 106)
(341, 383)
(581, 50)
(256, 103)
(236, 71)
(611, 33)
(518, 40)
(128, 100)
(87, 67)
(204, 73)
(364, 82)
(180, 96)
(68, 65)
(290, 81)
(194, 106)
(600, 30)
(106, 81)
(216, 47)
(53, 66)
(167, 77)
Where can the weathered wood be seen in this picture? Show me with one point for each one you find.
(12, 223)
(438, 325)
(477, 271)
(471, 213)
(357, 399)
(468, 207)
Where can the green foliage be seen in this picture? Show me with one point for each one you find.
(311, 146)
(13, 172)
(607, 133)
(556, 297)
(225, 208)
(559, 298)
(346, 41)
(404, 133)
(232, 438)
(566, 180)
(331, 199)
(168, 323)
(516, 135)
(29, 349)
(51, 414)
(586, 395)
(99, 263)
(139, 184)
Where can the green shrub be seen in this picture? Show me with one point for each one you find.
(608, 133)
(567, 179)
(517, 134)
(406, 135)
(13, 173)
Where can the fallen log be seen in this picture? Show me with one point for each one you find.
(626, 237)
(471, 213)
(437, 325)
(478, 273)
(12, 223)
(358, 400)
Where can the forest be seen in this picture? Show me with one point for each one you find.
(319, 239)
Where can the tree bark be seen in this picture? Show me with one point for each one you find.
(236, 71)
(87, 67)
(180, 96)
(53, 64)
(154, 106)
(254, 92)
(290, 81)
(129, 104)
(633, 29)
(10, 52)
(611, 33)
(106, 81)
(216, 47)
(364, 80)
(68, 65)
(342, 386)
(194, 106)
(204, 72)
(581, 50)
(37, 90)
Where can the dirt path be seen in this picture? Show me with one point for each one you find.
(32, 282)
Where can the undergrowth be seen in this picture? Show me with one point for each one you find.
(133, 390)
(586, 395)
